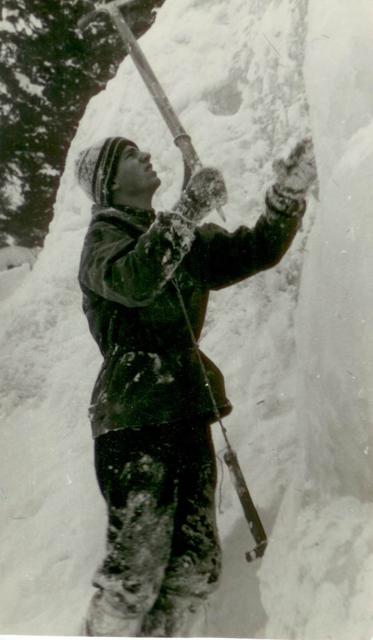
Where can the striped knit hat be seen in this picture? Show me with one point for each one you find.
(96, 167)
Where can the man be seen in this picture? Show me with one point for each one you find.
(151, 411)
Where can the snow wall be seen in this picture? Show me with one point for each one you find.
(327, 512)
(300, 423)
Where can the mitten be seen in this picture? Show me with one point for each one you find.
(298, 173)
(204, 192)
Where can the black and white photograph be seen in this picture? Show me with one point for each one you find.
(186, 307)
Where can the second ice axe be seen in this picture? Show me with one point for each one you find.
(250, 512)
(181, 139)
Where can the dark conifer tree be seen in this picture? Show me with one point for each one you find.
(48, 72)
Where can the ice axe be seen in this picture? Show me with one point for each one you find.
(230, 457)
(181, 139)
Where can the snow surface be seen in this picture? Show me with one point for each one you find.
(327, 513)
(294, 343)
(16, 255)
(15, 265)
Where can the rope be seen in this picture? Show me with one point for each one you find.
(220, 491)
(203, 368)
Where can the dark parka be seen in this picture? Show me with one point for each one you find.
(150, 373)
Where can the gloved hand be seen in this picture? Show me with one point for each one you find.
(204, 192)
(298, 173)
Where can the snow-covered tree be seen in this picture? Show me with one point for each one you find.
(49, 69)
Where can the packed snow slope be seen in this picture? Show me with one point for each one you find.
(323, 537)
(293, 343)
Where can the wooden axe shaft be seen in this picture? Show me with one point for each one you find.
(181, 138)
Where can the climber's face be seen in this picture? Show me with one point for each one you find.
(135, 174)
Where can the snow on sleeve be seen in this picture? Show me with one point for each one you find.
(180, 233)
(132, 272)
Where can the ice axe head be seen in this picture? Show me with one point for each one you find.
(258, 552)
(138, 14)
(249, 509)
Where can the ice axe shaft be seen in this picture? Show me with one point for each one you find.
(181, 139)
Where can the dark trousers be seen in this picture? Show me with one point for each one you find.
(163, 555)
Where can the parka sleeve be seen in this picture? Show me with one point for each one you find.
(132, 272)
(219, 259)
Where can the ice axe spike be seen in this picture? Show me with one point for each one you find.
(181, 139)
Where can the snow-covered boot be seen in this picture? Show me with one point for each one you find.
(105, 618)
(172, 616)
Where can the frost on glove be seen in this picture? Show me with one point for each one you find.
(296, 174)
(204, 192)
(277, 203)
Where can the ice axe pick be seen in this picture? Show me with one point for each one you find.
(181, 139)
